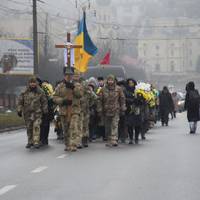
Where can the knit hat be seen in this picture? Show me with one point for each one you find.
(111, 76)
(32, 79)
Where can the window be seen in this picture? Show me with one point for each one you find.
(191, 63)
(172, 66)
(128, 9)
(157, 47)
(172, 52)
(172, 45)
(157, 69)
(105, 17)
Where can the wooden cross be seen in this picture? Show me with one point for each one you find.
(68, 46)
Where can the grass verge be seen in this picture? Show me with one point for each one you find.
(9, 120)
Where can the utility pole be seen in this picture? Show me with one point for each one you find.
(35, 38)
(46, 37)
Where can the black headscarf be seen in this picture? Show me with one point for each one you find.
(131, 89)
(190, 86)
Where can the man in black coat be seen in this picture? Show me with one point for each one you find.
(192, 106)
(166, 105)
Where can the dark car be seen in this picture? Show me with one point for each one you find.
(105, 70)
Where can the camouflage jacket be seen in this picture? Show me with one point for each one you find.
(111, 101)
(64, 93)
(32, 104)
(88, 99)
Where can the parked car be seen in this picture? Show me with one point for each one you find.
(181, 101)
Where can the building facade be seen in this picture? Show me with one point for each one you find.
(169, 47)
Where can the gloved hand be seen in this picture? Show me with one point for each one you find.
(69, 85)
(19, 113)
(67, 102)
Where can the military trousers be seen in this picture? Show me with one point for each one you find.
(65, 128)
(86, 120)
(33, 130)
(111, 128)
(70, 130)
(78, 124)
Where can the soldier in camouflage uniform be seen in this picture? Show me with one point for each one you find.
(88, 100)
(67, 96)
(78, 121)
(111, 105)
(32, 104)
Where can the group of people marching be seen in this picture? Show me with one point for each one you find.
(84, 110)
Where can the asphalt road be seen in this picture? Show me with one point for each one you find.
(164, 167)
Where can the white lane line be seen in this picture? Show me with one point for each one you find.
(6, 188)
(62, 156)
(39, 169)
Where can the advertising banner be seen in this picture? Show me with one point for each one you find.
(16, 56)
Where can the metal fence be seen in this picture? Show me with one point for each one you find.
(8, 101)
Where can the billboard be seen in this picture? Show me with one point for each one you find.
(16, 56)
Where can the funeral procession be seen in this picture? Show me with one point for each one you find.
(99, 99)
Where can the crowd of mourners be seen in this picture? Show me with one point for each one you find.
(83, 111)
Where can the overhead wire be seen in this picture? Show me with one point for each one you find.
(14, 11)
(19, 3)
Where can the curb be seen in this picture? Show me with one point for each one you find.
(11, 129)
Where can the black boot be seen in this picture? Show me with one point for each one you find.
(85, 141)
(130, 142)
(79, 146)
(28, 146)
(36, 146)
(143, 137)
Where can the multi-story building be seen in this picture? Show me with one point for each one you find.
(169, 48)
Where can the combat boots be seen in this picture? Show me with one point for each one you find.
(85, 141)
(114, 144)
(71, 148)
(28, 146)
(36, 146)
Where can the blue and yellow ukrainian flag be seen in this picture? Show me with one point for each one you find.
(88, 50)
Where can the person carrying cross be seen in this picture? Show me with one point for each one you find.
(67, 96)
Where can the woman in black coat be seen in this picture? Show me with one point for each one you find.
(133, 112)
(192, 106)
(129, 94)
(166, 105)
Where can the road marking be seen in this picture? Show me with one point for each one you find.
(62, 156)
(7, 188)
(39, 169)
